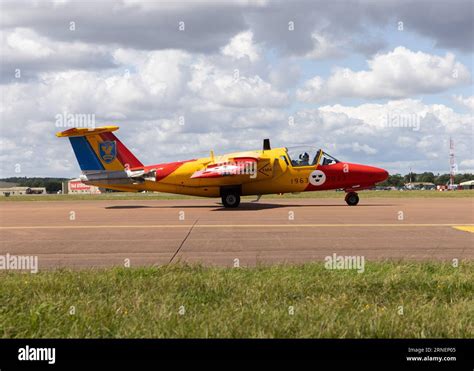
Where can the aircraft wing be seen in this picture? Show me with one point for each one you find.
(234, 166)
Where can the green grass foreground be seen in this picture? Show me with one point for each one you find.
(277, 301)
(168, 196)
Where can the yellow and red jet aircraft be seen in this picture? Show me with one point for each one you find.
(106, 162)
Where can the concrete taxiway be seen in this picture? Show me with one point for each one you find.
(82, 234)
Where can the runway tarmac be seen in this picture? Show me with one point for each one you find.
(105, 233)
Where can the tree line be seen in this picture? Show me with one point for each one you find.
(398, 180)
(52, 185)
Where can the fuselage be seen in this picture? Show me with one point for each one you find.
(273, 172)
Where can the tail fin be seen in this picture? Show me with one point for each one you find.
(100, 149)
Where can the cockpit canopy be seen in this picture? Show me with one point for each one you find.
(309, 156)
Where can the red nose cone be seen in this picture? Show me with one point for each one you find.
(368, 174)
(381, 174)
(378, 174)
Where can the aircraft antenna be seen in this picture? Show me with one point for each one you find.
(266, 145)
(452, 163)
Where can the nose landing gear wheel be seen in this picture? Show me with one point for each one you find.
(231, 200)
(352, 198)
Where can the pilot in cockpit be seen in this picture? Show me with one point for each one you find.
(304, 159)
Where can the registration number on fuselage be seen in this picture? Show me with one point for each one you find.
(298, 180)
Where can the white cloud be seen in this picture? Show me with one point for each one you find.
(467, 102)
(376, 114)
(259, 118)
(26, 43)
(312, 90)
(284, 75)
(368, 150)
(324, 48)
(27, 51)
(230, 88)
(397, 74)
(242, 46)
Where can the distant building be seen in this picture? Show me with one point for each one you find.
(467, 185)
(17, 191)
(75, 186)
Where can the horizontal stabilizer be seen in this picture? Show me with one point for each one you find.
(118, 177)
(80, 132)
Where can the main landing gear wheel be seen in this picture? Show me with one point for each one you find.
(352, 198)
(231, 200)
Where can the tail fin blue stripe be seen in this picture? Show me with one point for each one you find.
(85, 154)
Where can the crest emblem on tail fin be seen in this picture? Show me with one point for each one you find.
(107, 151)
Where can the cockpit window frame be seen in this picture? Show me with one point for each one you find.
(323, 153)
(318, 154)
(316, 160)
(303, 148)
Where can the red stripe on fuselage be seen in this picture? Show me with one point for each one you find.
(163, 170)
(123, 153)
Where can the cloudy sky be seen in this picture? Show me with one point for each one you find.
(385, 83)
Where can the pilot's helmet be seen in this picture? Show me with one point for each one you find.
(304, 156)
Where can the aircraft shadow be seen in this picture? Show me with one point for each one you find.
(242, 207)
(129, 207)
(260, 206)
